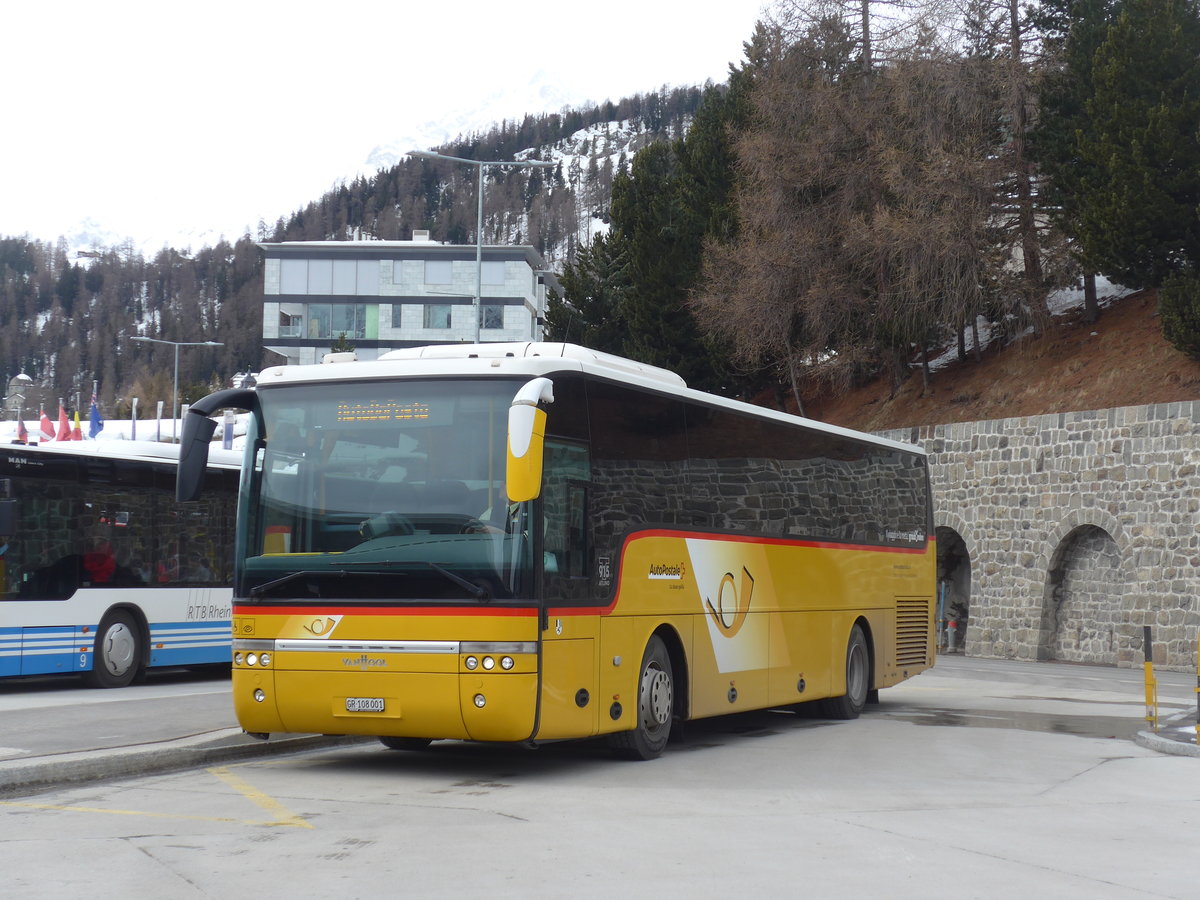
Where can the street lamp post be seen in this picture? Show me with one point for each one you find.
(480, 165)
(175, 392)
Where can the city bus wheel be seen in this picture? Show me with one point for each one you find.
(858, 680)
(655, 707)
(118, 652)
(403, 743)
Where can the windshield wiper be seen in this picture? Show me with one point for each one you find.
(470, 587)
(260, 589)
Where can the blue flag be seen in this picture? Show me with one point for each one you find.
(97, 423)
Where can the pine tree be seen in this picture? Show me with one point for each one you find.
(1138, 213)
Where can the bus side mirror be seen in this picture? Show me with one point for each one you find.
(198, 430)
(526, 440)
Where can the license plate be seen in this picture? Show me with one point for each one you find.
(364, 704)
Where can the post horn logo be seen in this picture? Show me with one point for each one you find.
(321, 625)
(730, 621)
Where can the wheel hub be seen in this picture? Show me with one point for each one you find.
(656, 697)
(118, 649)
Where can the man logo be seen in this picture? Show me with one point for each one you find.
(738, 600)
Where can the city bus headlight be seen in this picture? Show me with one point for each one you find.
(260, 695)
(265, 659)
(471, 663)
(507, 662)
(238, 658)
(489, 663)
(480, 701)
(252, 659)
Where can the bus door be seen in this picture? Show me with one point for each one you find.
(569, 641)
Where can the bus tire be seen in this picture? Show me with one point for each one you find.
(117, 652)
(655, 708)
(858, 680)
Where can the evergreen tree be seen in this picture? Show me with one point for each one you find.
(590, 310)
(1138, 210)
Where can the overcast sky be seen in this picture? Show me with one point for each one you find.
(156, 118)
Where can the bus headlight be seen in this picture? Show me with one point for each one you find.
(265, 659)
(237, 658)
(480, 701)
(489, 663)
(506, 663)
(259, 695)
(471, 663)
(252, 659)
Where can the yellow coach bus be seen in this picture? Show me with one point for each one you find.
(534, 542)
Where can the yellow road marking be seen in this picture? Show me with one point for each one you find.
(284, 816)
(126, 812)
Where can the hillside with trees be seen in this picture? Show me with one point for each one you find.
(873, 186)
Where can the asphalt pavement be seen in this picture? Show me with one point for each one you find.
(52, 736)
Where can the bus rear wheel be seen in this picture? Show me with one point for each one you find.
(118, 652)
(858, 680)
(656, 706)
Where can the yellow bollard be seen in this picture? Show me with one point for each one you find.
(1151, 683)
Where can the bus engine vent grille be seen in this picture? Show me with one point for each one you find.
(912, 631)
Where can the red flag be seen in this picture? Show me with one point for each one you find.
(47, 426)
(22, 431)
(64, 425)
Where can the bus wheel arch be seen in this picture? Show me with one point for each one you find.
(121, 648)
(860, 675)
(660, 687)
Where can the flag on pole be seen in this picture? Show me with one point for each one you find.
(22, 431)
(64, 424)
(47, 426)
(76, 433)
(97, 423)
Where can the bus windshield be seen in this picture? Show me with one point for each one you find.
(383, 490)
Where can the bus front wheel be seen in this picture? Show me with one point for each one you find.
(858, 680)
(656, 705)
(118, 651)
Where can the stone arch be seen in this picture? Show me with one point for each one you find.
(954, 589)
(957, 553)
(1082, 616)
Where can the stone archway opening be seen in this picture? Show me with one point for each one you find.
(954, 590)
(1082, 619)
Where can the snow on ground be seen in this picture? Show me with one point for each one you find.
(1061, 303)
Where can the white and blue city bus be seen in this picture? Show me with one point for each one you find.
(102, 572)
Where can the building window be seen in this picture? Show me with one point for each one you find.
(492, 273)
(491, 315)
(438, 271)
(437, 315)
(327, 320)
(397, 315)
(290, 326)
(293, 276)
(344, 277)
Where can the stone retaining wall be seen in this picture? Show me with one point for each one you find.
(1077, 529)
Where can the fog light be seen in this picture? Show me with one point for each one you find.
(252, 659)
(506, 662)
(260, 695)
(472, 663)
(265, 659)
(480, 701)
(489, 663)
